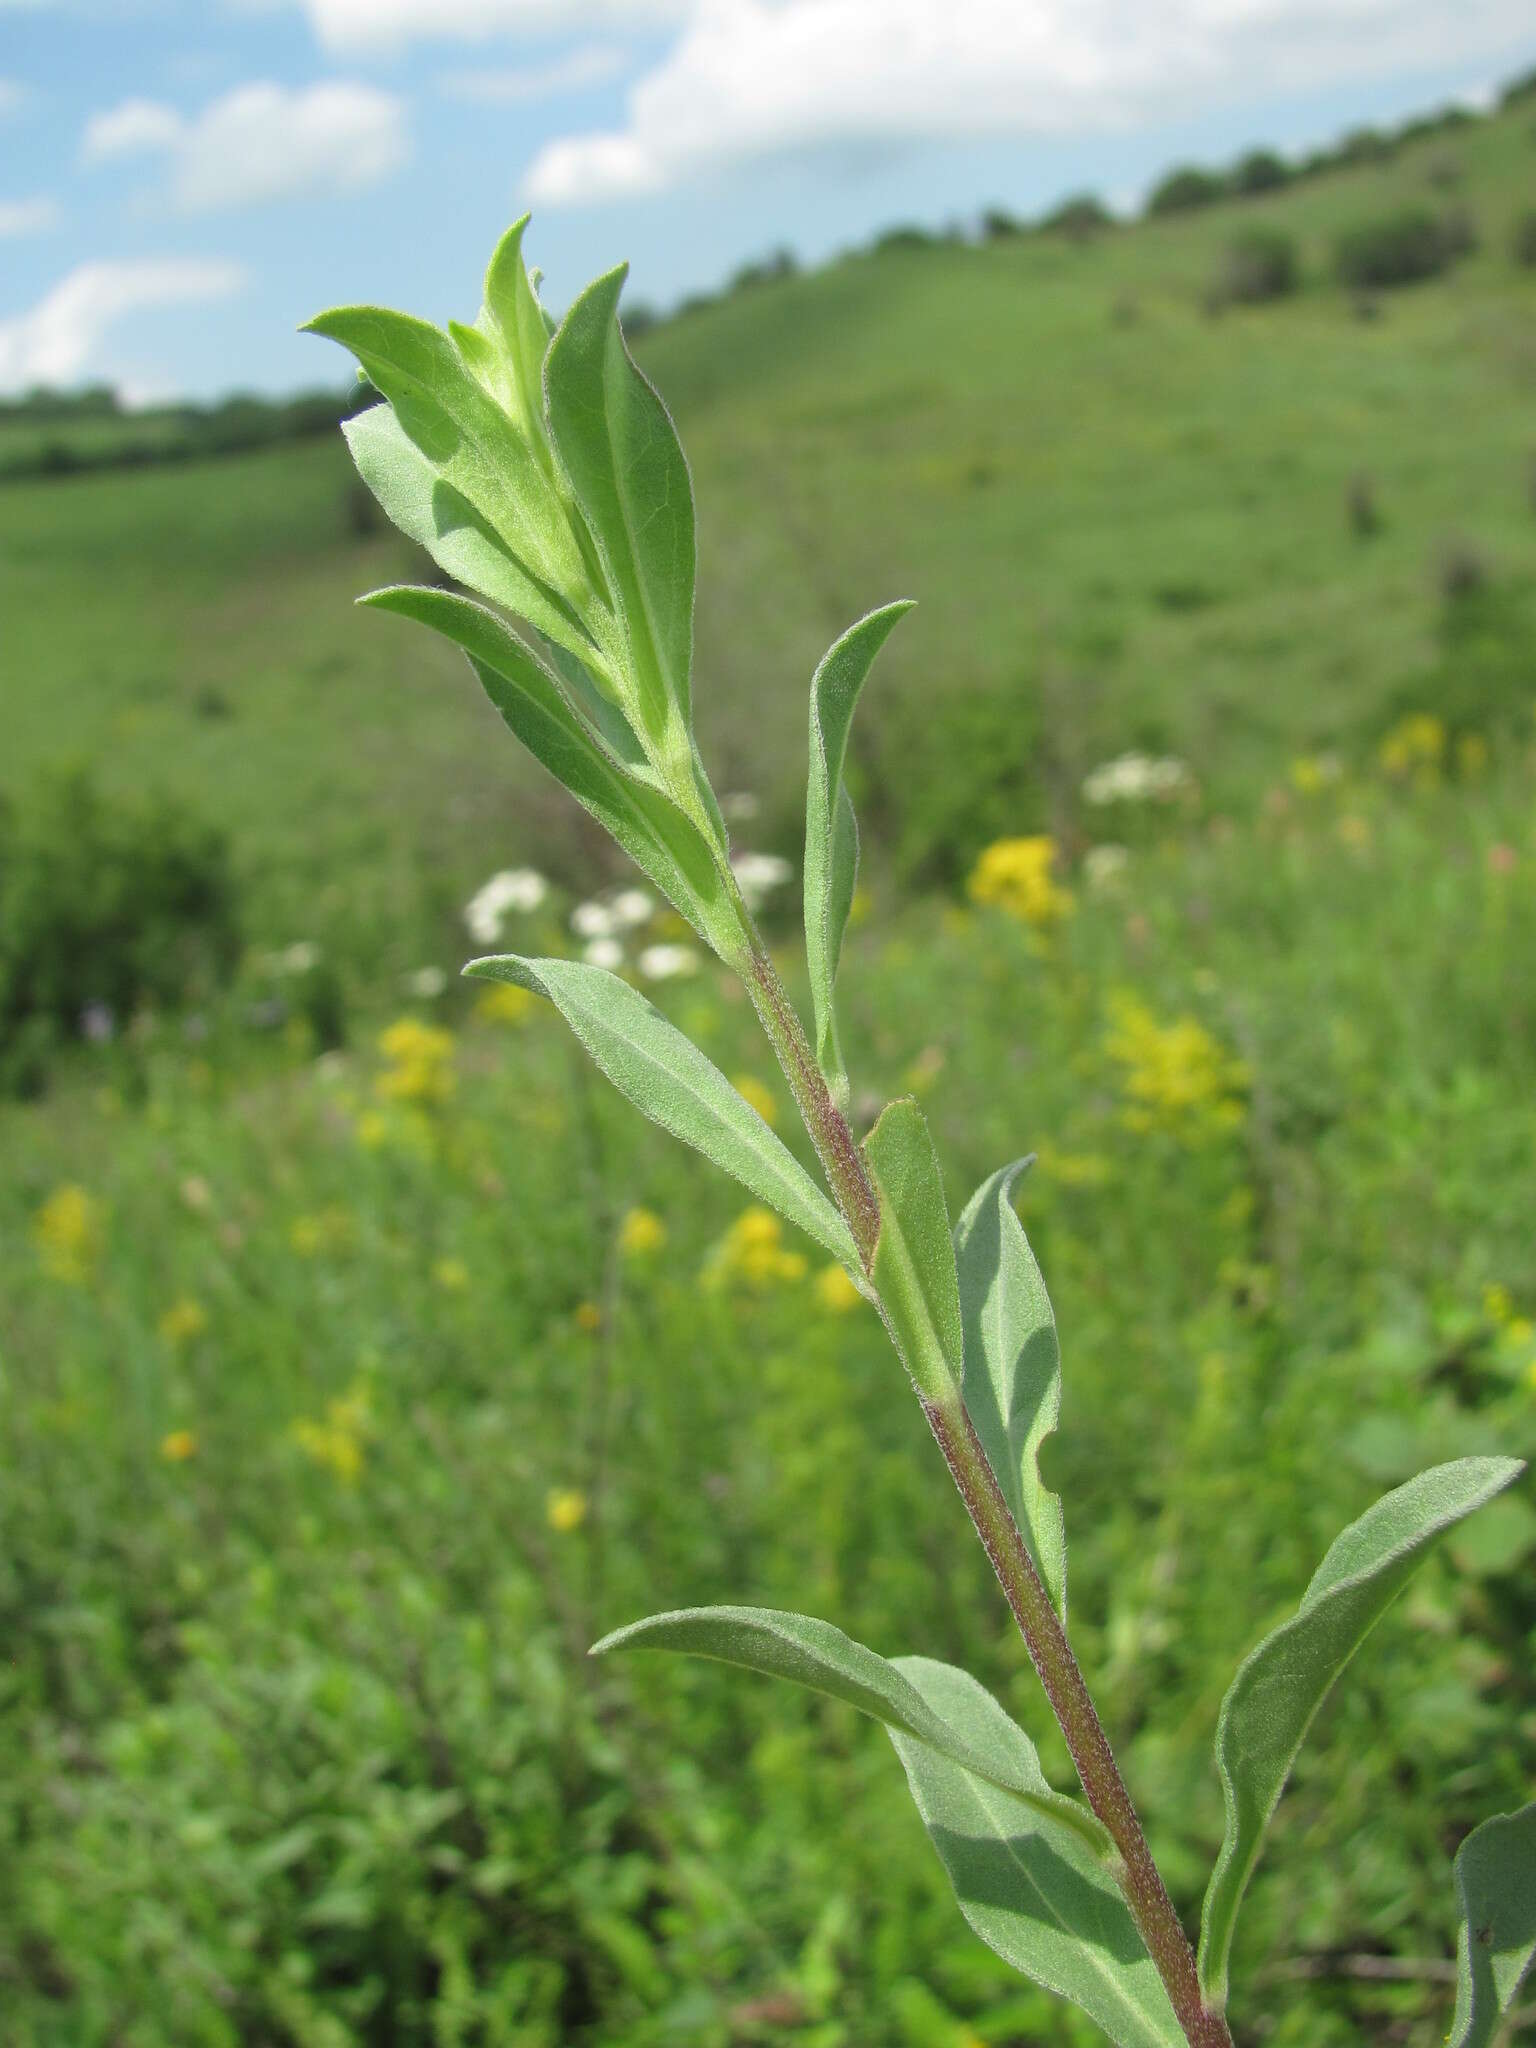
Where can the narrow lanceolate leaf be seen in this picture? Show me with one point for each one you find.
(815, 1654)
(914, 1270)
(1012, 1379)
(466, 436)
(1028, 1885)
(666, 1076)
(1496, 1941)
(831, 833)
(1280, 1685)
(417, 498)
(621, 453)
(596, 769)
(515, 319)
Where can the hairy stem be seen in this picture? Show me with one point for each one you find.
(828, 1128)
(1044, 1637)
(1072, 1704)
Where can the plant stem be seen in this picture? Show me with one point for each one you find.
(834, 1142)
(1072, 1704)
(1044, 1637)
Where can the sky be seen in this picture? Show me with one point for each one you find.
(183, 181)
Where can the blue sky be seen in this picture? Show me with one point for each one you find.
(183, 181)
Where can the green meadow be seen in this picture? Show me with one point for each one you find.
(363, 1359)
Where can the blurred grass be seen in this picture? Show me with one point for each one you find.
(298, 1742)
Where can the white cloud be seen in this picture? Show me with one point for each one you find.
(388, 24)
(262, 142)
(27, 216)
(749, 76)
(135, 125)
(522, 85)
(59, 336)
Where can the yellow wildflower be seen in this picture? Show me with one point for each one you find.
(641, 1233)
(1015, 874)
(504, 1003)
(1471, 755)
(329, 1230)
(835, 1291)
(452, 1275)
(1354, 831)
(565, 1508)
(751, 1090)
(183, 1321)
(1074, 1169)
(924, 1070)
(1178, 1079)
(1498, 1305)
(589, 1317)
(372, 1130)
(336, 1441)
(1312, 772)
(419, 1062)
(67, 1232)
(1415, 747)
(180, 1445)
(752, 1254)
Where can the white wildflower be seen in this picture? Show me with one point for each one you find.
(631, 907)
(298, 958)
(1137, 778)
(740, 806)
(662, 963)
(1104, 865)
(427, 983)
(603, 952)
(594, 920)
(520, 889)
(759, 873)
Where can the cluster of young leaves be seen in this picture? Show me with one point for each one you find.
(541, 471)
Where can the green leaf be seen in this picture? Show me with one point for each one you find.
(1496, 1941)
(465, 435)
(437, 517)
(1012, 1378)
(815, 1654)
(914, 1269)
(599, 769)
(1027, 1884)
(515, 319)
(620, 451)
(831, 832)
(1281, 1684)
(666, 1077)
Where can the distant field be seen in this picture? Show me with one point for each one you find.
(1125, 521)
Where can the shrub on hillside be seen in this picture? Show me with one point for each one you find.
(1399, 248)
(1261, 170)
(1185, 188)
(105, 906)
(1078, 217)
(1259, 264)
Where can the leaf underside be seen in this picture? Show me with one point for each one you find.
(669, 1080)
(624, 461)
(1031, 1868)
(1012, 1378)
(1281, 1684)
(584, 755)
(1496, 1938)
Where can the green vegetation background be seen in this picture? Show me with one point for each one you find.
(343, 1401)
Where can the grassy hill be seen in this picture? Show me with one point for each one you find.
(343, 1402)
(1126, 520)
